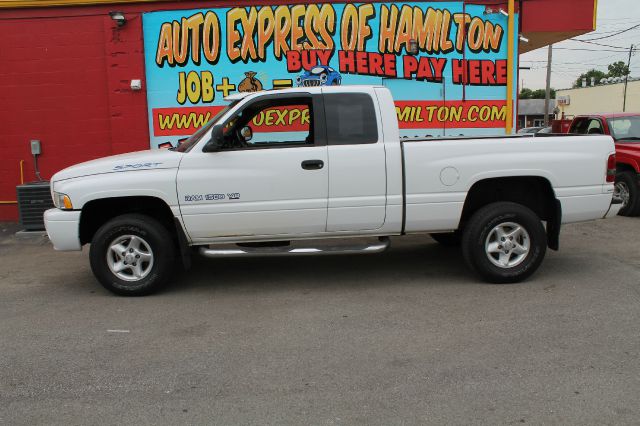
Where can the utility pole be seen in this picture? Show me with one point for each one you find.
(547, 94)
(626, 81)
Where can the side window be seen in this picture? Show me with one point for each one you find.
(351, 119)
(595, 127)
(579, 126)
(587, 126)
(272, 123)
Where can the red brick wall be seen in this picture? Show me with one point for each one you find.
(65, 81)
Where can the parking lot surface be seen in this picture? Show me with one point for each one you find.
(409, 336)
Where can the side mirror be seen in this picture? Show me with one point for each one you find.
(216, 142)
(246, 133)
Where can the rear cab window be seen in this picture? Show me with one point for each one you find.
(351, 119)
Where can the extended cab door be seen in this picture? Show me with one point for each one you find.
(357, 168)
(273, 182)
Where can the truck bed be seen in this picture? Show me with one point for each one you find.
(438, 174)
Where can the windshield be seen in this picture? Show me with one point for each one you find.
(193, 139)
(625, 128)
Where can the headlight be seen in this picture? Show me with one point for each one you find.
(324, 77)
(62, 201)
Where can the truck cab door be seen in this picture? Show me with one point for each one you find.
(357, 164)
(269, 179)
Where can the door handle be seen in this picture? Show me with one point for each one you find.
(312, 164)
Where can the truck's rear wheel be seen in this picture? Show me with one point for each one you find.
(504, 242)
(132, 255)
(626, 188)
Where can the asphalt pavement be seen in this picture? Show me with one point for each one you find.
(405, 337)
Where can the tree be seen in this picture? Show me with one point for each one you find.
(618, 69)
(540, 94)
(535, 94)
(599, 75)
(525, 93)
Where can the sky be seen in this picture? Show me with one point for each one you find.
(567, 65)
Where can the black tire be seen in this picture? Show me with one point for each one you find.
(448, 239)
(628, 181)
(156, 240)
(483, 225)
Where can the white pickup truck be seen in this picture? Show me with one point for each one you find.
(274, 172)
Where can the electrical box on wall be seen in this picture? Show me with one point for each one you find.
(35, 147)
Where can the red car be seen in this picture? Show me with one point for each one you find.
(625, 130)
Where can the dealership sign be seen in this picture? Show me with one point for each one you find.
(445, 62)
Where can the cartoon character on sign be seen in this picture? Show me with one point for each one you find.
(320, 75)
(250, 83)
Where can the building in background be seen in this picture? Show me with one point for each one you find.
(531, 112)
(90, 78)
(599, 98)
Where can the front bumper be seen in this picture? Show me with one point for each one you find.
(63, 228)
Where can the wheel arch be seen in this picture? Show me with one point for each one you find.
(534, 192)
(622, 166)
(97, 212)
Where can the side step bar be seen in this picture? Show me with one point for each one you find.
(298, 251)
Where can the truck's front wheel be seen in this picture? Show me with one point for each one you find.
(504, 242)
(132, 255)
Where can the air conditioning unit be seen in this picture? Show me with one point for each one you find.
(33, 199)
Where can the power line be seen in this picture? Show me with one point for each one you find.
(591, 50)
(613, 35)
(597, 44)
(605, 28)
(627, 18)
(603, 58)
(597, 33)
(626, 36)
(615, 26)
(567, 63)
